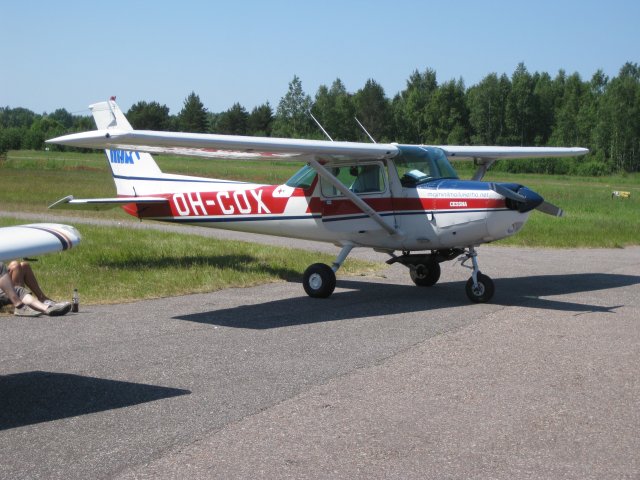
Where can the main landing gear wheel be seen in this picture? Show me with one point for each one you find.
(425, 274)
(319, 280)
(483, 291)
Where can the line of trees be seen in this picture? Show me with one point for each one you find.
(601, 113)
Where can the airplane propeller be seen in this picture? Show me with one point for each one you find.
(525, 199)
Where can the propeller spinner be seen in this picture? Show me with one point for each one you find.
(523, 199)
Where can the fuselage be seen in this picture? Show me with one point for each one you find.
(418, 193)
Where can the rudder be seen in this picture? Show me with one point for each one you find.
(132, 171)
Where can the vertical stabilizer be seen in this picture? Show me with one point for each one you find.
(134, 173)
(109, 115)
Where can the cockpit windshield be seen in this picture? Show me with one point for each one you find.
(418, 165)
(303, 178)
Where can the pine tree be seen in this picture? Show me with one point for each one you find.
(260, 120)
(149, 116)
(193, 116)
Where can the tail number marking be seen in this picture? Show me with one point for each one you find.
(243, 202)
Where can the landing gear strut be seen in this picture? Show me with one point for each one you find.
(319, 280)
(479, 287)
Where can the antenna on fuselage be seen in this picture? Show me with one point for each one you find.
(320, 125)
(365, 130)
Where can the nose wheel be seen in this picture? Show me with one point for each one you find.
(482, 290)
(479, 288)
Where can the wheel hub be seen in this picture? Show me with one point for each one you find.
(315, 281)
(478, 289)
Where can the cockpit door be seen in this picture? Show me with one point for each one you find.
(368, 180)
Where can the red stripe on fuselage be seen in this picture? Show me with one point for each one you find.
(261, 201)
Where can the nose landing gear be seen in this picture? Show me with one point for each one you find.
(479, 287)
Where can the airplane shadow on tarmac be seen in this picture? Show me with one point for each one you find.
(35, 397)
(370, 299)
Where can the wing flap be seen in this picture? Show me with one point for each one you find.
(97, 204)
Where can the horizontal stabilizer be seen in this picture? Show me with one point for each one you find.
(70, 203)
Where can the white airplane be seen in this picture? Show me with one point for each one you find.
(389, 197)
(36, 239)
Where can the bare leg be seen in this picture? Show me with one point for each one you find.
(33, 303)
(22, 275)
(7, 287)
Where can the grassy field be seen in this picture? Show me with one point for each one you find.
(116, 264)
(33, 180)
(123, 264)
(592, 217)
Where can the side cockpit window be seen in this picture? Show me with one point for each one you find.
(360, 179)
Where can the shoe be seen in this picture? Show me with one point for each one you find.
(26, 311)
(58, 309)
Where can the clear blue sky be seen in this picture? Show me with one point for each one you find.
(69, 54)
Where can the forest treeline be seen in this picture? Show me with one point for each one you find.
(536, 109)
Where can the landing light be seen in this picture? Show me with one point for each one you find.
(515, 227)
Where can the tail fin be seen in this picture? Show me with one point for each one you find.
(133, 172)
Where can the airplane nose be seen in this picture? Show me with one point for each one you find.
(518, 197)
(532, 200)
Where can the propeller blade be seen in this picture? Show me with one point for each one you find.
(507, 193)
(550, 209)
(527, 200)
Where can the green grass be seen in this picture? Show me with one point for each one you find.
(33, 180)
(592, 217)
(116, 264)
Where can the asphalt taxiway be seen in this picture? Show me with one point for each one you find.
(382, 380)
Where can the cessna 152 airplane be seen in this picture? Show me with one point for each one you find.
(389, 197)
(36, 239)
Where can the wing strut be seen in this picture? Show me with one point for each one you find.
(361, 204)
(484, 164)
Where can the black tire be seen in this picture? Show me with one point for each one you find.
(319, 280)
(425, 274)
(485, 289)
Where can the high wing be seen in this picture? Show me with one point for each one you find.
(455, 152)
(115, 132)
(35, 239)
(231, 146)
(224, 146)
(485, 156)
